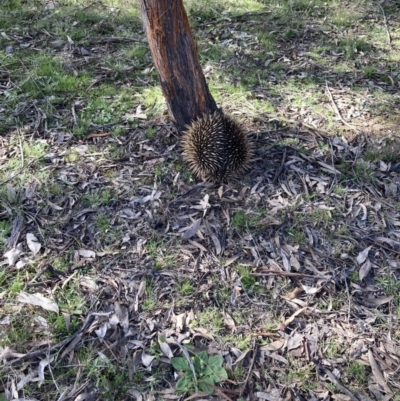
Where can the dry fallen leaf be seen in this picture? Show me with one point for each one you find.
(38, 300)
(13, 254)
(147, 359)
(165, 348)
(33, 243)
(228, 321)
(291, 318)
(362, 256)
(364, 269)
(294, 340)
(192, 230)
(377, 301)
(377, 373)
(217, 244)
(293, 294)
(86, 253)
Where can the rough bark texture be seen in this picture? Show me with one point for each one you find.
(174, 54)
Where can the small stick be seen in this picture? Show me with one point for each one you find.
(250, 368)
(221, 393)
(339, 385)
(348, 297)
(21, 148)
(111, 40)
(271, 272)
(279, 172)
(337, 110)
(37, 353)
(389, 39)
(74, 115)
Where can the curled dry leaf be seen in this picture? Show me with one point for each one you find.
(364, 269)
(191, 231)
(25, 379)
(13, 254)
(273, 395)
(229, 322)
(291, 318)
(140, 292)
(165, 348)
(147, 359)
(136, 394)
(294, 340)
(86, 253)
(370, 301)
(42, 365)
(310, 290)
(205, 204)
(277, 357)
(274, 346)
(8, 353)
(293, 294)
(217, 244)
(377, 373)
(22, 263)
(362, 256)
(11, 194)
(33, 243)
(179, 321)
(102, 330)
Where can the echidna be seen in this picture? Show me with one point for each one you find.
(216, 147)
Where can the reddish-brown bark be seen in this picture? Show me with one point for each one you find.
(174, 54)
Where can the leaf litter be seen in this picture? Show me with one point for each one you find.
(310, 322)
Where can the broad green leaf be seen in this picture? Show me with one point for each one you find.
(182, 384)
(203, 356)
(207, 371)
(200, 361)
(219, 374)
(206, 385)
(215, 361)
(180, 364)
(197, 365)
(189, 375)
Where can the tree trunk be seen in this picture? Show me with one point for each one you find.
(174, 54)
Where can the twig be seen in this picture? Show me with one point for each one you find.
(348, 296)
(21, 148)
(221, 393)
(271, 272)
(250, 368)
(279, 172)
(305, 345)
(37, 353)
(337, 110)
(339, 385)
(19, 170)
(111, 40)
(314, 130)
(389, 39)
(92, 4)
(74, 115)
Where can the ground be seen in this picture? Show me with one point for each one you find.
(124, 277)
